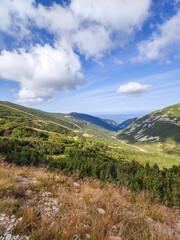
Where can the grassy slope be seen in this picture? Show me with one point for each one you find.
(78, 126)
(48, 205)
(160, 130)
(41, 197)
(93, 134)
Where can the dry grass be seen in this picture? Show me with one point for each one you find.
(73, 211)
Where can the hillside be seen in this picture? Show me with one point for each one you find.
(159, 126)
(126, 123)
(57, 183)
(104, 123)
(13, 116)
(40, 204)
(61, 120)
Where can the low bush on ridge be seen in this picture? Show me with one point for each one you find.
(92, 161)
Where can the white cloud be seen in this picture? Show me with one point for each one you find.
(41, 72)
(102, 24)
(98, 40)
(163, 43)
(90, 27)
(133, 89)
(15, 16)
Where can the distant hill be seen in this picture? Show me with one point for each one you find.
(121, 117)
(105, 123)
(126, 123)
(158, 126)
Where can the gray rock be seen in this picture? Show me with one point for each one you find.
(101, 211)
(28, 192)
(88, 236)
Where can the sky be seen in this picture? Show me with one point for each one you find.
(90, 56)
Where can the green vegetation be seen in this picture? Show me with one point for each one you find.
(159, 131)
(159, 126)
(29, 140)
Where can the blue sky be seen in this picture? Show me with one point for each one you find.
(105, 56)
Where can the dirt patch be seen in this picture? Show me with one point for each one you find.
(87, 135)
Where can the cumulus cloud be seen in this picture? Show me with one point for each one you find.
(163, 43)
(16, 15)
(104, 23)
(133, 89)
(93, 27)
(41, 72)
(90, 27)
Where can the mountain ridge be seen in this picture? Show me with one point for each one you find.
(158, 126)
(108, 124)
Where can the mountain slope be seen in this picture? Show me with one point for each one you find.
(59, 119)
(40, 204)
(105, 123)
(126, 123)
(28, 140)
(159, 126)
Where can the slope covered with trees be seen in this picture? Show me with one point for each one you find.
(27, 140)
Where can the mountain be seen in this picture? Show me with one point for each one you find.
(62, 120)
(104, 123)
(159, 126)
(126, 123)
(119, 118)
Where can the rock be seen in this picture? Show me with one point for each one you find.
(8, 237)
(57, 178)
(45, 194)
(115, 238)
(101, 211)
(2, 219)
(132, 214)
(75, 184)
(88, 236)
(55, 201)
(13, 220)
(20, 219)
(53, 225)
(28, 192)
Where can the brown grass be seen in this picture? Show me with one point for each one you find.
(127, 215)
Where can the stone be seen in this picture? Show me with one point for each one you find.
(88, 236)
(28, 192)
(101, 211)
(57, 178)
(75, 184)
(53, 225)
